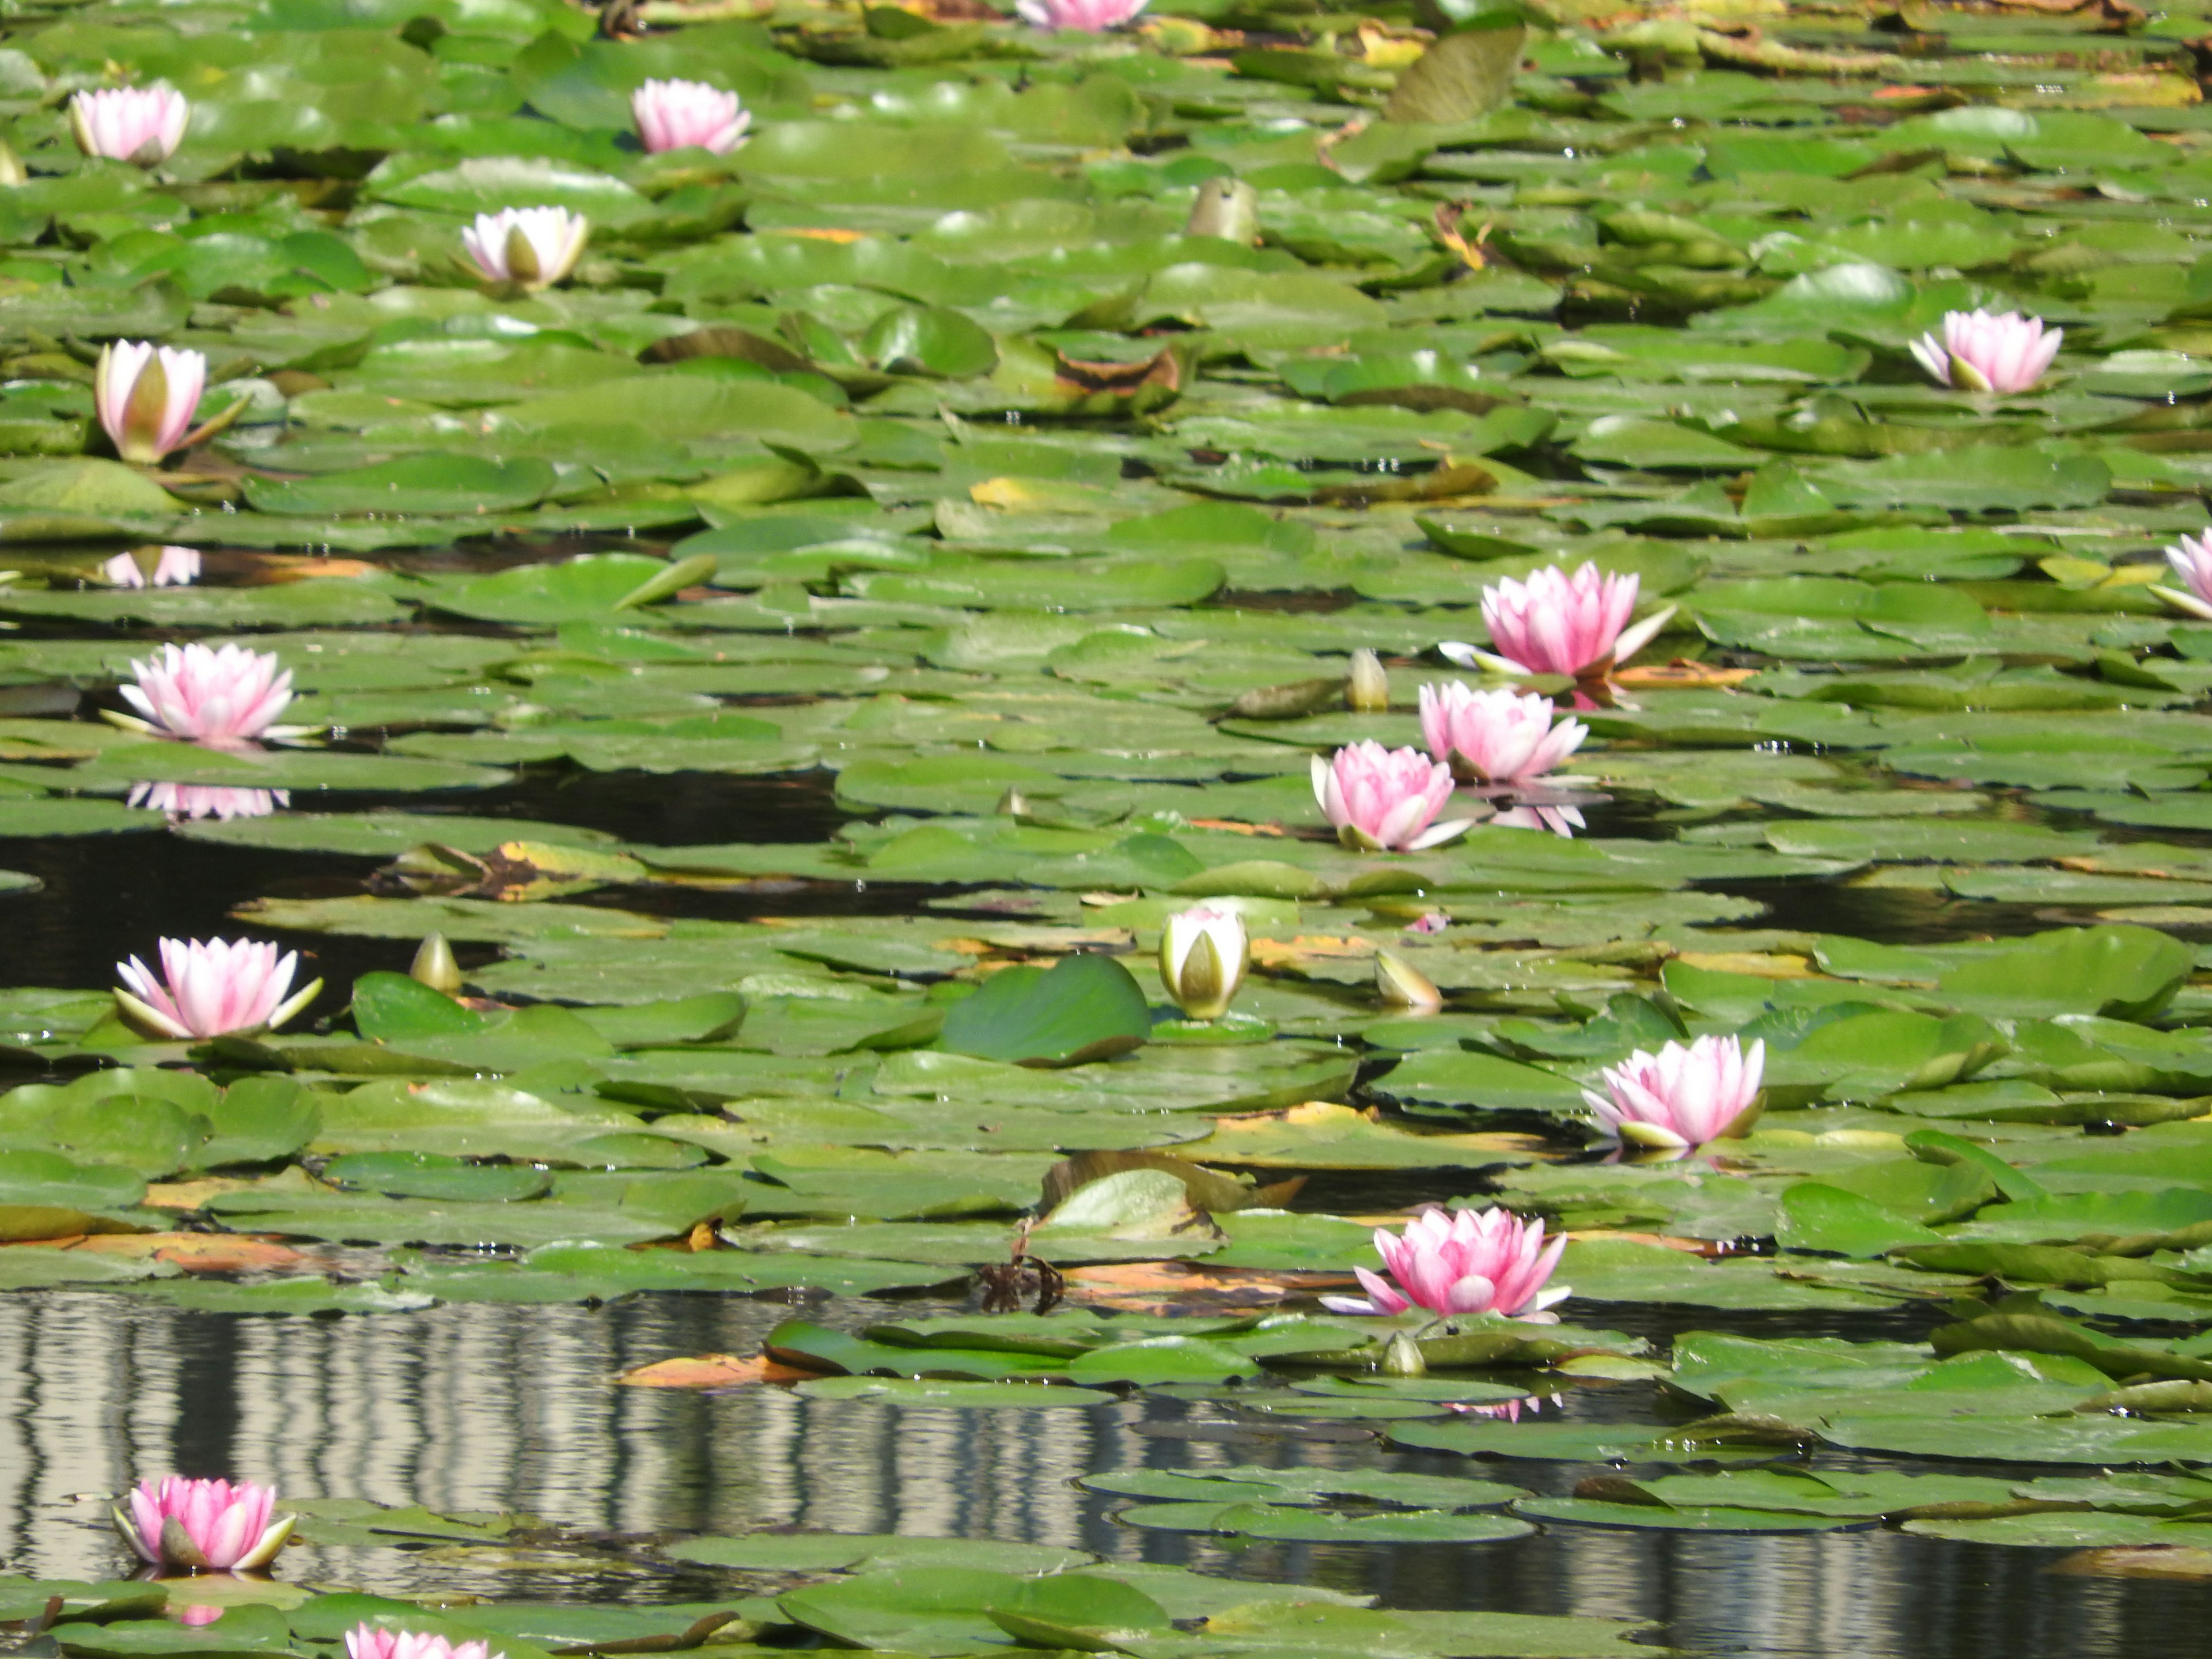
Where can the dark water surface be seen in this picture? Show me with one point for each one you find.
(510, 1407)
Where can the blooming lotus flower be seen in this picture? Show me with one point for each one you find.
(372, 1641)
(689, 114)
(1555, 623)
(534, 247)
(208, 801)
(146, 397)
(1477, 1262)
(1681, 1097)
(1203, 956)
(210, 987)
(1089, 17)
(223, 696)
(144, 124)
(1982, 351)
(1384, 799)
(202, 1524)
(173, 567)
(2192, 562)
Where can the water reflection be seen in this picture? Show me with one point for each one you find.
(153, 566)
(492, 1407)
(208, 801)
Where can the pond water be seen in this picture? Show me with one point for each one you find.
(512, 1409)
(893, 936)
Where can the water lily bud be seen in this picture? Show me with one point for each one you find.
(434, 966)
(11, 166)
(1401, 1357)
(531, 248)
(140, 124)
(146, 397)
(1012, 804)
(1369, 691)
(1227, 208)
(1203, 956)
(1401, 985)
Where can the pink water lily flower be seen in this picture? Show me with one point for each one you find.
(1385, 799)
(144, 124)
(1088, 17)
(1555, 623)
(1496, 736)
(2191, 559)
(146, 397)
(208, 801)
(689, 114)
(374, 1642)
(1477, 1262)
(1986, 351)
(532, 247)
(225, 695)
(204, 1525)
(210, 987)
(173, 567)
(1680, 1096)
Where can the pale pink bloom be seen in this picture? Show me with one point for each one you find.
(1680, 1096)
(144, 124)
(1385, 799)
(374, 1642)
(1430, 922)
(202, 1524)
(1500, 736)
(147, 415)
(208, 801)
(1984, 351)
(177, 567)
(195, 1616)
(225, 695)
(1477, 1262)
(689, 114)
(1555, 623)
(211, 987)
(2192, 562)
(535, 246)
(1089, 17)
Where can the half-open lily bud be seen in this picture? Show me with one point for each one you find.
(689, 114)
(1203, 955)
(435, 967)
(1367, 691)
(531, 248)
(141, 124)
(146, 397)
(1401, 985)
